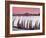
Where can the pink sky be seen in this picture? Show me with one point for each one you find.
(21, 10)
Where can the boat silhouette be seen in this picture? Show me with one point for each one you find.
(26, 14)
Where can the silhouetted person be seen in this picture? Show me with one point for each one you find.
(22, 25)
(18, 24)
(30, 25)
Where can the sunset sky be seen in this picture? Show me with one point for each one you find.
(22, 10)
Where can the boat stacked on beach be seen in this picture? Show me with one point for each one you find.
(26, 22)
